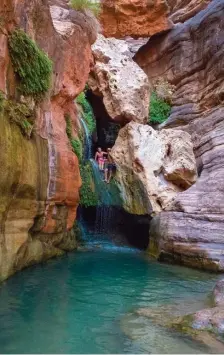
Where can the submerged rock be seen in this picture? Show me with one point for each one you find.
(120, 81)
(207, 320)
(218, 293)
(152, 167)
(204, 325)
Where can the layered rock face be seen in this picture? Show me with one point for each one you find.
(152, 167)
(136, 18)
(191, 57)
(121, 83)
(39, 179)
(182, 10)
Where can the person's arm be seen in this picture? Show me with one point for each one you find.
(111, 159)
(96, 155)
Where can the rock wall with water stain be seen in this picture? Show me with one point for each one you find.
(39, 178)
(190, 56)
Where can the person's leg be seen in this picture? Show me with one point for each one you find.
(109, 175)
(106, 174)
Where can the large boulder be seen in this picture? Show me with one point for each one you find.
(122, 84)
(152, 167)
(191, 57)
(40, 179)
(136, 18)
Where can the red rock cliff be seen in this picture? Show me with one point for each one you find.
(39, 179)
(137, 18)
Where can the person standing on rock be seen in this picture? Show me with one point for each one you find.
(99, 157)
(110, 167)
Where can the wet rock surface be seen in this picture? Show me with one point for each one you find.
(40, 178)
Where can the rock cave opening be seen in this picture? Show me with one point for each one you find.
(106, 128)
(107, 218)
(114, 224)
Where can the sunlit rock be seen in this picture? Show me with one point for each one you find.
(136, 18)
(152, 167)
(120, 81)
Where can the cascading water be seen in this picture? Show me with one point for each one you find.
(87, 140)
(101, 188)
(104, 208)
(105, 196)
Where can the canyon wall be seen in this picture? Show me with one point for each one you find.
(190, 56)
(39, 178)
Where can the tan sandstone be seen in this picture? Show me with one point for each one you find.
(122, 84)
(152, 167)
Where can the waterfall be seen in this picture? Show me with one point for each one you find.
(88, 140)
(106, 196)
(102, 189)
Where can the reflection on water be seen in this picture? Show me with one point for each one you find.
(86, 302)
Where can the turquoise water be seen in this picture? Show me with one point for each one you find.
(85, 303)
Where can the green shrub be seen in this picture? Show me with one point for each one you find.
(77, 147)
(87, 192)
(81, 5)
(32, 65)
(20, 114)
(75, 142)
(88, 196)
(159, 109)
(68, 126)
(88, 114)
(2, 100)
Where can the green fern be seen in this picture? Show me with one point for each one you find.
(32, 65)
(159, 109)
(88, 114)
(88, 196)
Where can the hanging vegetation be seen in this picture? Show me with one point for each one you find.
(87, 193)
(31, 64)
(88, 114)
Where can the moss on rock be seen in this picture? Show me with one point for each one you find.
(31, 64)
